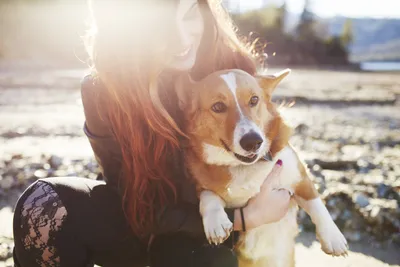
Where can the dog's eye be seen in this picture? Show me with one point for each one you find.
(219, 107)
(253, 101)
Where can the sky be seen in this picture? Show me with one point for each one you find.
(329, 8)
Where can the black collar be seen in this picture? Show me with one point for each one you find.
(267, 156)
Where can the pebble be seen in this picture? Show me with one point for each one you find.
(5, 251)
(40, 174)
(361, 200)
(6, 182)
(353, 236)
(387, 191)
(55, 161)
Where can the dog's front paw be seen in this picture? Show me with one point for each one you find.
(217, 227)
(332, 240)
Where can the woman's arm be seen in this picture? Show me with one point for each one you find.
(96, 127)
(270, 205)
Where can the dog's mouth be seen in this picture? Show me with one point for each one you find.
(246, 159)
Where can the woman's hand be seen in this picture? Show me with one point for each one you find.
(268, 206)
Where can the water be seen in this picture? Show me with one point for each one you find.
(380, 66)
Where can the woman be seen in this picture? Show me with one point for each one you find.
(145, 212)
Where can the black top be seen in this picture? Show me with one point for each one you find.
(183, 216)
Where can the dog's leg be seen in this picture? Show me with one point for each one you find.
(217, 225)
(332, 240)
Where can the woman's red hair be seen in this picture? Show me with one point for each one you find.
(132, 74)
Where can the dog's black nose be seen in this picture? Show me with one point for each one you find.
(251, 141)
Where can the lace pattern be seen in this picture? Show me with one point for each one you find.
(42, 216)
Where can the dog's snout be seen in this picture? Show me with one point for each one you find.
(251, 141)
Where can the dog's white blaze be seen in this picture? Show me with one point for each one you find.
(244, 125)
(230, 80)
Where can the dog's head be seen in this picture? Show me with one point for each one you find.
(230, 118)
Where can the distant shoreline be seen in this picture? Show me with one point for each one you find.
(367, 67)
(36, 65)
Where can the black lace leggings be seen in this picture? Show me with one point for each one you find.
(68, 221)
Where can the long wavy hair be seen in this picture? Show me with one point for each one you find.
(127, 47)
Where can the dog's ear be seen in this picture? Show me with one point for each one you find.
(269, 82)
(185, 89)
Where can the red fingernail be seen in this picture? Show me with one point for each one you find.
(279, 162)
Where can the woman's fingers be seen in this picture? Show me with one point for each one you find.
(285, 191)
(286, 194)
(272, 179)
(278, 205)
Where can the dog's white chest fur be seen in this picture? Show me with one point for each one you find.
(247, 180)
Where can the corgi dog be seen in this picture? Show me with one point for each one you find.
(235, 137)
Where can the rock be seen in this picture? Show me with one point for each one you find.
(352, 236)
(336, 164)
(78, 168)
(40, 174)
(35, 165)
(20, 163)
(363, 166)
(60, 173)
(301, 128)
(331, 175)
(396, 238)
(92, 166)
(17, 156)
(375, 215)
(344, 180)
(55, 161)
(361, 200)
(11, 170)
(11, 134)
(5, 251)
(6, 182)
(316, 168)
(387, 191)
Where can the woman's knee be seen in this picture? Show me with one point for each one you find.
(38, 216)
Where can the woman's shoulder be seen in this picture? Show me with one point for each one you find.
(91, 84)
(91, 94)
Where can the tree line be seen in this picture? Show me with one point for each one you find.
(309, 43)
